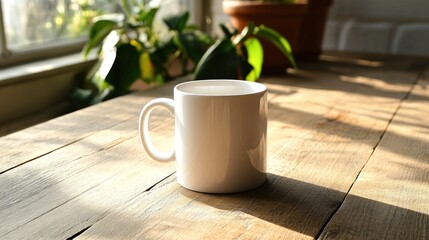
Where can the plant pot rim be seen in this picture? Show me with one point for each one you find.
(325, 3)
(262, 8)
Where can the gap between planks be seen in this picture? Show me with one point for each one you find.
(419, 76)
(148, 95)
(103, 148)
(79, 233)
(56, 149)
(168, 179)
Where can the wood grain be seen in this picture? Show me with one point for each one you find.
(29, 144)
(85, 176)
(390, 199)
(77, 185)
(324, 123)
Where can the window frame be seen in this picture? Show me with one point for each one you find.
(10, 58)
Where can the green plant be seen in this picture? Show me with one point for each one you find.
(141, 53)
(239, 55)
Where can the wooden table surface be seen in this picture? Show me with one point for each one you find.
(348, 157)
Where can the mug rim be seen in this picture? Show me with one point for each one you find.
(256, 88)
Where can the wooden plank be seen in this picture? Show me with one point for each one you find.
(390, 199)
(322, 130)
(56, 133)
(29, 144)
(72, 170)
(78, 169)
(72, 188)
(21, 183)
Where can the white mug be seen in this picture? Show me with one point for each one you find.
(220, 134)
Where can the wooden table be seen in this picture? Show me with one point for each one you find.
(348, 157)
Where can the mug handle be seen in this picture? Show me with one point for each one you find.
(145, 140)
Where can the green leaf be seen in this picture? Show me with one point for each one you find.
(245, 69)
(255, 57)
(81, 97)
(146, 17)
(161, 54)
(249, 29)
(126, 8)
(98, 32)
(193, 43)
(221, 61)
(225, 31)
(125, 69)
(161, 58)
(177, 22)
(278, 40)
(146, 68)
(159, 79)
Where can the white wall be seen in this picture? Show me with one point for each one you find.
(379, 26)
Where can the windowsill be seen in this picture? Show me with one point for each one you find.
(35, 92)
(29, 71)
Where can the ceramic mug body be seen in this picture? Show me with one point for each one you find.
(220, 134)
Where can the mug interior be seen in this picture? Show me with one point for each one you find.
(220, 87)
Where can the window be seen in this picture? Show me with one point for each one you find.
(36, 29)
(33, 29)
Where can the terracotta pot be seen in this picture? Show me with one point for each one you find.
(302, 24)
